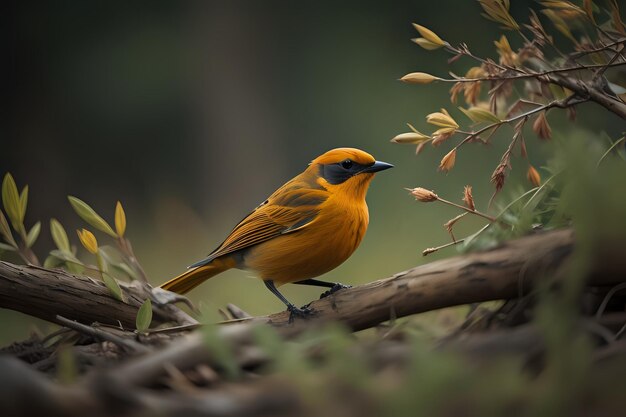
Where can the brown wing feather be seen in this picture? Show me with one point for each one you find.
(290, 208)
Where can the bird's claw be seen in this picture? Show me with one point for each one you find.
(303, 312)
(338, 286)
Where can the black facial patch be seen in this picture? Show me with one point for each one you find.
(338, 173)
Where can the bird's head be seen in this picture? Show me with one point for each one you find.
(347, 170)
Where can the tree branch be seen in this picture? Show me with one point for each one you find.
(492, 275)
(46, 293)
(582, 89)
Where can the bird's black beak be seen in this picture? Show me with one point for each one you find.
(377, 166)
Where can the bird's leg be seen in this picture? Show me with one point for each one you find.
(334, 286)
(293, 310)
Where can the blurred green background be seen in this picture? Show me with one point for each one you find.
(192, 113)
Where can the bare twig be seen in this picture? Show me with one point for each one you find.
(100, 334)
(526, 75)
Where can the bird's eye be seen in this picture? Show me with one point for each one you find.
(347, 164)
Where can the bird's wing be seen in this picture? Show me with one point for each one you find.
(289, 209)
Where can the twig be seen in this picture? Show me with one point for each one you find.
(608, 297)
(428, 251)
(467, 209)
(237, 312)
(566, 102)
(529, 74)
(600, 71)
(608, 151)
(100, 334)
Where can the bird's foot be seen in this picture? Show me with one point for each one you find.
(303, 312)
(338, 286)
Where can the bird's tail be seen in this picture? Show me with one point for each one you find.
(193, 277)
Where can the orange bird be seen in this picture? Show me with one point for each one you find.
(306, 228)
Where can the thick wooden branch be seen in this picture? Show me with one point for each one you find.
(505, 272)
(46, 293)
(501, 273)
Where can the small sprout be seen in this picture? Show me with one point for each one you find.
(541, 127)
(88, 240)
(32, 235)
(144, 316)
(498, 11)
(120, 220)
(8, 248)
(90, 216)
(468, 199)
(560, 24)
(113, 287)
(419, 78)
(11, 201)
(507, 56)
(442, 119)
(448, 161)
(59, 236)
(429, 35)
(426, 44)
(423, 195)
(413, 138)
(533, 176)
(23, 203)
(5, 231)
(441, 135)
(478, 115)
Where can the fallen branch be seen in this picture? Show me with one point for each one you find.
(505, 272)
(500, 273)
(46, 293)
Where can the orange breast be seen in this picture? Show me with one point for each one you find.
(314, 250)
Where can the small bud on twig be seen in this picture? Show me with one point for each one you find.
(447, 162)
(419, 78)
(423, 195)
(429, 35)
(468, 199)
(541, 127)
(533, 176)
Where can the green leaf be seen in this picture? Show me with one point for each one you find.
(478, 115)
(90, 216)
(8, 248)
(125, 269)
(65, 256)
(113, 286)
(144, 316)
(23, 203)
(5, 231)
(74, 268)
(32, 236)
(59, 235)
(52, 262)
(11, 200)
